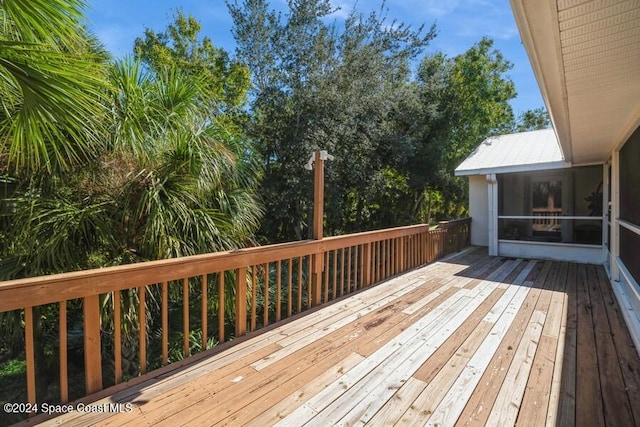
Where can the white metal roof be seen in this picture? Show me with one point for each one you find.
(516, 152)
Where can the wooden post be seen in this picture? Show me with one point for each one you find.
(92, 353)
(318, 217)
(366, 279)
(241, 301)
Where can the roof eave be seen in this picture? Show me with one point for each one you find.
(515, 168)
(542, 43)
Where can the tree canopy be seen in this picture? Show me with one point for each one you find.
(185, 148)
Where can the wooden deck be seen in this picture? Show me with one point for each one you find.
(470, 340)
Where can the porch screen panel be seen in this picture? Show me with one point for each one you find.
(630, 179)
(630, 251)
(630, 203)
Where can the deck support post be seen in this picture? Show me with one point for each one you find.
(317, 266)
(92, 352)
(241, 301)
(492, 192)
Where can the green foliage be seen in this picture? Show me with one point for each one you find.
(50, 88)
(464, 100)
(535, 119)
(180, 46)
(322, 86)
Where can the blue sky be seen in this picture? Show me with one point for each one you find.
(460, 23)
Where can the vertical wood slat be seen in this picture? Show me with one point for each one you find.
(221, 307)
(266, 295)
(342, 271)
(62, 337)
(165, 323)
(278, 290)
(367, 264)
(326, 277)
(389, 257)
(356, 252)
(348, 290)
(92, 351)
(299, 285)
(30, 355)
(290, 288)
(384, 259)
(378, 260)
(335, 273)
(204, 298)
(185, 317)
(310, 290)
(142, 328)
(241, 301)
(401, 254)
(117, 338)
(377, 265)
(254, 291)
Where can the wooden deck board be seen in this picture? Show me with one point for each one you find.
(470, 339)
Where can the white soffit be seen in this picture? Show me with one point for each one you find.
(516, 152)
(586, 57)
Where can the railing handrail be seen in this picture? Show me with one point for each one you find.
(42, 290)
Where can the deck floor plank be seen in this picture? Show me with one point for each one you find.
(479, 406)
(589, 408)
(538, 391)
(628, 357)
(616, 405)
(469, 339)
(566, 415)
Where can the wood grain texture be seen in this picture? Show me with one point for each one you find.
(415, 349)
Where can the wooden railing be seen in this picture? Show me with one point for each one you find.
(235, 292)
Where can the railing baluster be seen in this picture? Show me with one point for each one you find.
(290, 289)
(117, 338)
(385, 255)
(185, 317)
(278, 290)
(204, 309)
(356, 252)
(62, 337)
(342, 272)
(142, 329)
(254, 291)
(165, 323)
(348, 290)
(376, 260)
(221, 307)
(389, 258)
(299, 285)
(326, 277)
(310, 290)
(335, 274)
(266, 295)
(30, 355)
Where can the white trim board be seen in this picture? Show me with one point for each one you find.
(627, 292)
(584, 254)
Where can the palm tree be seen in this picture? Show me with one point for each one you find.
(49, 87)
(189, 181)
